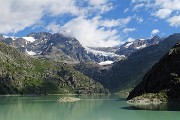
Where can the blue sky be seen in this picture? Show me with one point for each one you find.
(95, 23)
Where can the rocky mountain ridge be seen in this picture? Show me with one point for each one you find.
(132, 46)
(128, 73)
(62, 48)
(58, 47)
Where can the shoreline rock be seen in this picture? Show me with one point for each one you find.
(149, 98)
(69, 99)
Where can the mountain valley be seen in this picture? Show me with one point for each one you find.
(117, 68)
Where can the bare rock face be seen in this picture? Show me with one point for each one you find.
(163, 79)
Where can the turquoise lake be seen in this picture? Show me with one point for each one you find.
(89, 108)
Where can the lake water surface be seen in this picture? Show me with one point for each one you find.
(89, 108)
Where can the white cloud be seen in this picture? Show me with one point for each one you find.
(53, 27)
(167, 9)
(127, 30)
(138, 1)
(130, 39)
(110, 23)
(163, 13)
(95, 32)
(174, 21)
(125, 21)
(163, 9)
(16, 15)
(19, 14)
(138, 6)
(57, 7)
(168, 4)
(139, 19)
(89, 32)
(155, 31)
(126, 10)
(97, 2)
(113, 23)
(100, 5)
(86, 25)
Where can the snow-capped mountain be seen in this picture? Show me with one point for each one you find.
(130, 47)
(62, 48)
(58, 47)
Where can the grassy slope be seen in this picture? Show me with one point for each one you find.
(20, 74)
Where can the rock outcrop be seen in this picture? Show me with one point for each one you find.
(68, 99)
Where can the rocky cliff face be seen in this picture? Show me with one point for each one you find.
(21, 74)
(163, 78)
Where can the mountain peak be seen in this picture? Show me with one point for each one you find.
(156, 37)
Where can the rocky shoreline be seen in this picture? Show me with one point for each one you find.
(149, 98)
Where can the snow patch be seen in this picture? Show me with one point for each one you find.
(30, 53)
(30, 39)
(142, 46)
(9, 37)
(105, 63)
(39, 52)
(96, 52)
(142, 39)
(128, 44)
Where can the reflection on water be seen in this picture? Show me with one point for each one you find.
(48, 108)
(89, 108)
(173, 106)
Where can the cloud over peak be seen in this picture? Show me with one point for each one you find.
(155, 31)
(19, 14)
(93, 32)
(100, 23)
(86, 23)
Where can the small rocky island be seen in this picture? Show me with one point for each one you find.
(161, 83)
(68, 99)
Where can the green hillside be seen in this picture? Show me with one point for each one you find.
(21, 74)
